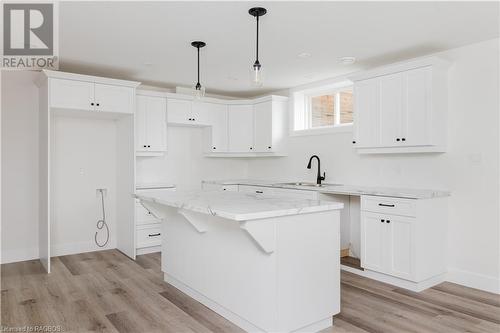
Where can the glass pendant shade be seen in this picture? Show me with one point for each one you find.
(198, 91)
(257, 75)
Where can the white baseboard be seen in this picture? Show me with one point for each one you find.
(80, 247)
(474, 280)
(146, 250)
(16, 255)
(401, 283)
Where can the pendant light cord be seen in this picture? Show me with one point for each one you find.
(257, 50)
(198, 65)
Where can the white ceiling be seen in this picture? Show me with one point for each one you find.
(119, 39)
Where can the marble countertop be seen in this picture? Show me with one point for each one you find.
(341, 189)
(152, 186)
(239, 206)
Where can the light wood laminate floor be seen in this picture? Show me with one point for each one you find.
(107, 292)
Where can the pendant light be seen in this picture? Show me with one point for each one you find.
(256, 74)
(198, 89)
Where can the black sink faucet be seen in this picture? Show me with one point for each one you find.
(319, 178)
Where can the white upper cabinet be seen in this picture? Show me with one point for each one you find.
(418, 106)
(151, 124)
(391, 107)
(178, 111)
(366, 94)
(72, 94)
(80, 94)
(401, 108)
(110, 98)
(187, 112)
(241, 130)
(217, 131)
(263, 126)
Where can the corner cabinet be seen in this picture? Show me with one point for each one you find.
(401, 108)
(151, 124)
(234, 128)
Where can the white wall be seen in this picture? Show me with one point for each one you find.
(19, 98)
(184, 164)
(469, 169)
(84, 159)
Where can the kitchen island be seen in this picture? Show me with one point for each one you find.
(266, 263)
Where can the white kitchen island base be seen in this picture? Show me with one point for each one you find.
(279, 273)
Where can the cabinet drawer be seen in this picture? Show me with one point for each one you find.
(388, 205)
(143, 216)
(255, 189)
(218, 187)
(149, 235)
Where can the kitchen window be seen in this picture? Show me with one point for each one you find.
(323, 111)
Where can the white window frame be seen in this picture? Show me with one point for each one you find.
(301, 111)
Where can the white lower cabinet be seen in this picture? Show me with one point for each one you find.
(403, 238)
(148, 225)
(387, 244)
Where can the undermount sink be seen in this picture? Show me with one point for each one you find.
(306, 184)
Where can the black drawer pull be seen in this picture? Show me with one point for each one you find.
(154, 235)
(382, 221)
(385, 205)
(388, 221)
(259, 192)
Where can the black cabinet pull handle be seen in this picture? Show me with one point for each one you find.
(397, 139)
(353, 142)
(154, 235)
(259, 192)
(403, 139)
(92, 104)
(97, 104)
(385, 205)
(251, 148)
(382, 221)
(149, 146)
(269, 147)
(214, 148)
(388, 221)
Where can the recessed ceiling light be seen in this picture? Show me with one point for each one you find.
(304, 55)
(347, 60)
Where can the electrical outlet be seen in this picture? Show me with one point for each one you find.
(98, 191)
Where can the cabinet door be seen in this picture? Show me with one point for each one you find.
(366, 113)
(240, 126)
(400, 246)
(111, 98)
(373, 247)
(416, 117)
(178, 111)
(263, 126)
(391, 105)
(217, 115)
(156, 123)
(199, 113)
(71, 94)
(140, 123)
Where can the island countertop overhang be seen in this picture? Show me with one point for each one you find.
(239, 206)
